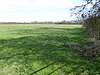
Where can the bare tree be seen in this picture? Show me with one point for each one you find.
(89, 12)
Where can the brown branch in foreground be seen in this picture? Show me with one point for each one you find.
(56, 69)
(41, 68)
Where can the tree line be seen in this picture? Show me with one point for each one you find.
(46, 22)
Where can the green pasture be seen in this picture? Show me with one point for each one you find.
(38, 49)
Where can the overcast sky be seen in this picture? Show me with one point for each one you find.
(36, 10)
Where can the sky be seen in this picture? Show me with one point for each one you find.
(36, 10)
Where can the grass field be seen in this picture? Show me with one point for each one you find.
(40, 50)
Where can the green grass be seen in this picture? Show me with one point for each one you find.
(27, 48)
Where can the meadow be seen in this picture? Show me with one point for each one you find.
(40, 49)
